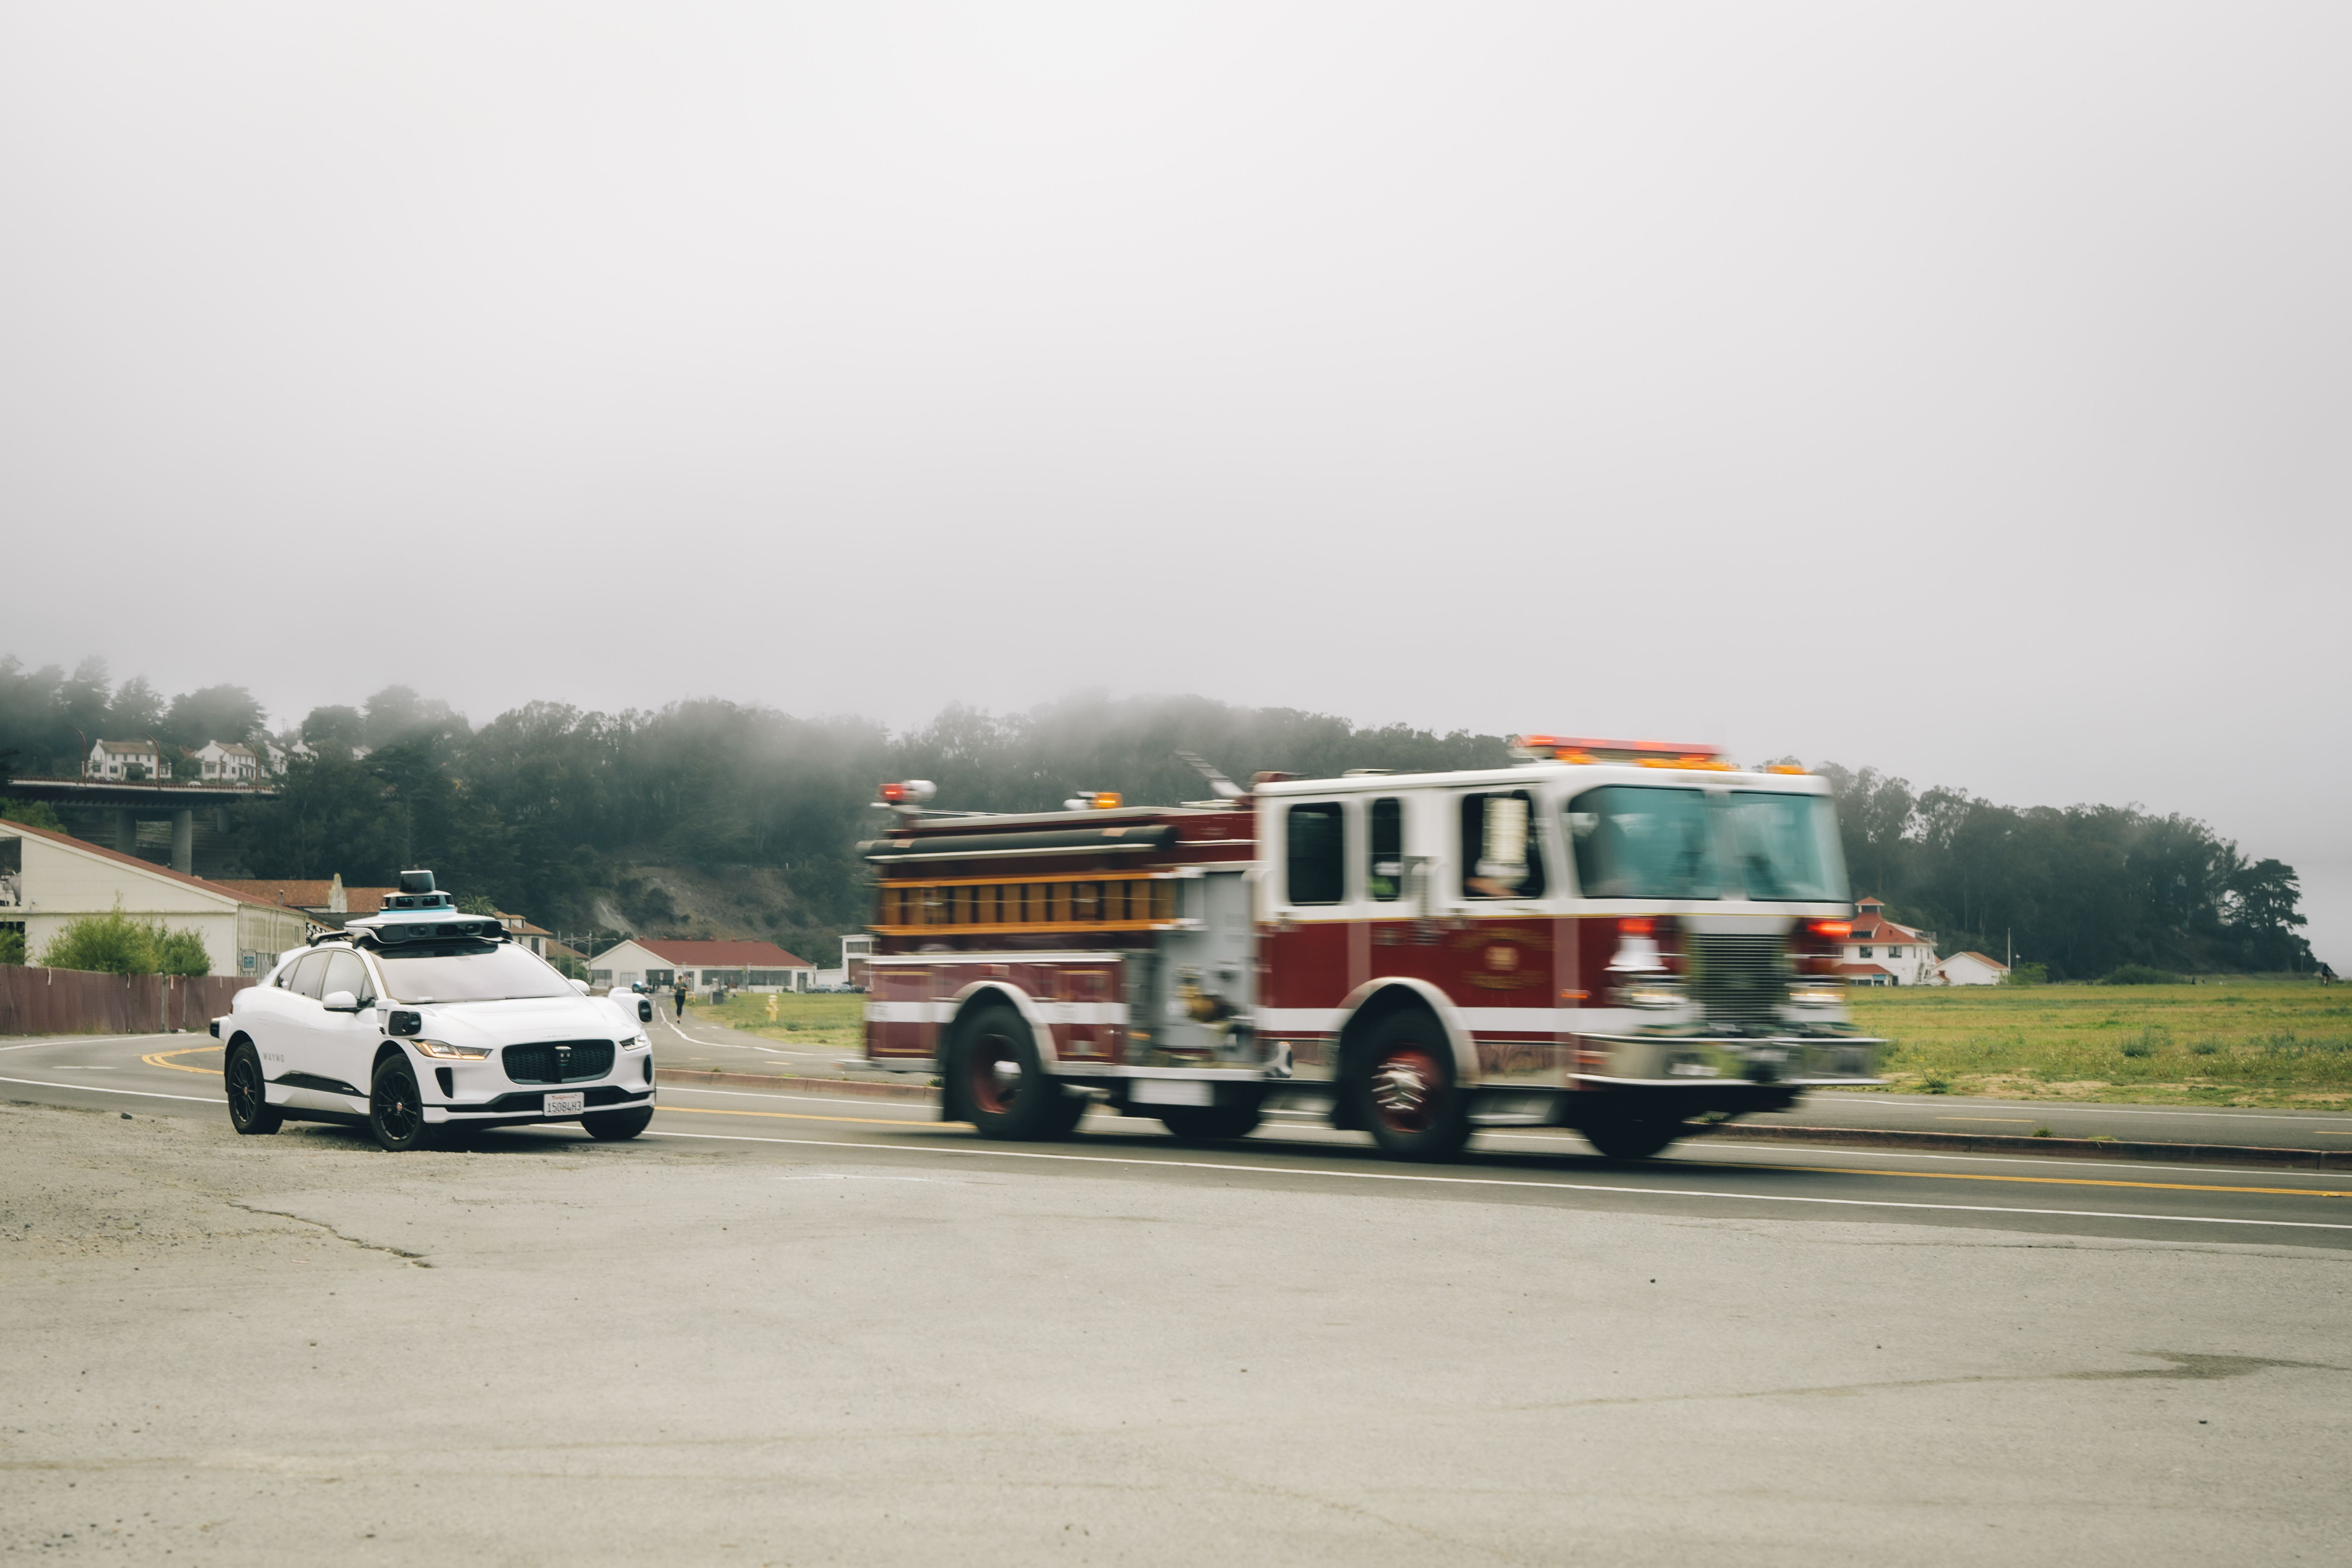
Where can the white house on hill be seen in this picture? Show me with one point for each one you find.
(116, 759)
(738, 965)
(227, 762)
(1880, 952)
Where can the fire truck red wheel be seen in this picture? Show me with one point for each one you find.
(1000, 1085)
(1404, 1092)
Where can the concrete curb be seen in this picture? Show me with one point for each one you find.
(2059, 1148)
(783, 1082)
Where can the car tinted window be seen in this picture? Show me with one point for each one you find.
(308, 973)
(470, 972)
(346, 972)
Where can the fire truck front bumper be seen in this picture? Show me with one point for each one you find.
(1701, 1062)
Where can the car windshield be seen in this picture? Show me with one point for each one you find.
(475, 972)
(1643, 841)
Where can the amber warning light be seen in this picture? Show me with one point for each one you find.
(908, 792)
(1836, 931)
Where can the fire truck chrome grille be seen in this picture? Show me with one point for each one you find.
(1737, 980)
(558, 1061)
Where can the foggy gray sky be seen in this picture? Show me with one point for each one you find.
(1958, 389)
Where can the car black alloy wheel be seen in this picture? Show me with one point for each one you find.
(250, 1110)
(395, 1110)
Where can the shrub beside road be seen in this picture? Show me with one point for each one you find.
(2257, 1042)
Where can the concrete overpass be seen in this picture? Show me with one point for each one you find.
(124, 803)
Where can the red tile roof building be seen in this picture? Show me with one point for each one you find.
(1880, 952)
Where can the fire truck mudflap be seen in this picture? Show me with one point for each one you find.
(1621, 938)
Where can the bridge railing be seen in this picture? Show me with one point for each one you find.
(75, 1002)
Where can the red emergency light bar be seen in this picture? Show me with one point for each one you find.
(1590, 749)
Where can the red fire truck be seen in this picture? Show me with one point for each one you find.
(1619, 937)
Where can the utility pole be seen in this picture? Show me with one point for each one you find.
(2008, 948)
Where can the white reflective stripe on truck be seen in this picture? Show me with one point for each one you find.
(1048, 1012)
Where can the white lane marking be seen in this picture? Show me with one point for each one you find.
(84, 1040)
(138, 1093)
(1499, 1182)
(1764, 1155)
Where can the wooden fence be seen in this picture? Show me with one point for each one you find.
(71, 1001)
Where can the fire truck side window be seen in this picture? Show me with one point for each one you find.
(1500, 857)
(1384, 867)
(1317, 843)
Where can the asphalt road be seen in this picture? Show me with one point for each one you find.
(701, 1043)
(179, 1074)
(801, 1329)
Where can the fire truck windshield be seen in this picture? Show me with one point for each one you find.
(1642, 841)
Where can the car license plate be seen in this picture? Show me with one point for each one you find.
(566, 1104)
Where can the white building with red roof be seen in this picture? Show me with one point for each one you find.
(1877, 952)
(738, 965)
(1970, 969)
(49, 881)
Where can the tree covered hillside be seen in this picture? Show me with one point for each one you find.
(557, 813)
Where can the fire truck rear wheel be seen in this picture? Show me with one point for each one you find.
(1403, 1090)
(1210, 1124)
(1632, 1137)
(1000, 1084)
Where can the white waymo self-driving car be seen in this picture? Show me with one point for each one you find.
(421, 1021)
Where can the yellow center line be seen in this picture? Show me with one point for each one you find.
(162, 1060)
(2044, 1181)
(794, 1116)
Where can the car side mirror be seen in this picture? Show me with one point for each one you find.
(581, 986)
(644, 1011)
(340, 1002)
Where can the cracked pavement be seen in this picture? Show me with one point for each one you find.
(546, 1349)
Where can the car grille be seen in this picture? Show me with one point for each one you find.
(1737, 980)
(558, 1061)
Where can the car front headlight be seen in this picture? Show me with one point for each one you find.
(639, 1044)
(448, 1052)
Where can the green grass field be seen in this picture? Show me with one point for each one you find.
(2257, 1042)
(2245, 1042)
(803, 1022)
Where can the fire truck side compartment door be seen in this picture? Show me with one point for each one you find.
(1203, 988)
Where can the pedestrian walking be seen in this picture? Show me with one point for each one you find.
(680, 994)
